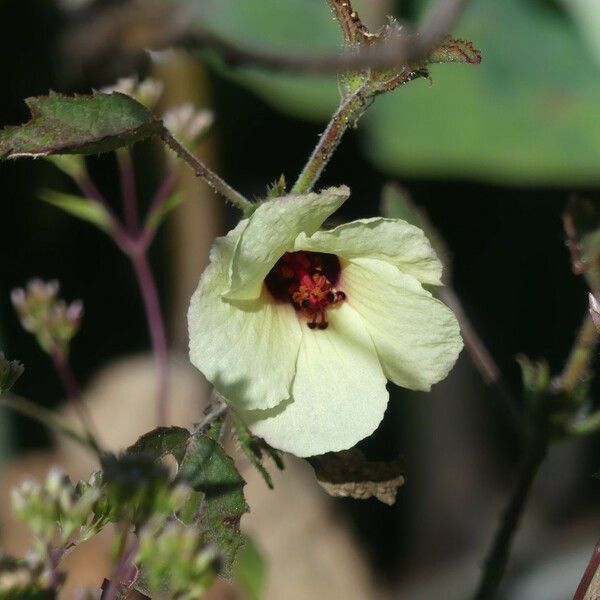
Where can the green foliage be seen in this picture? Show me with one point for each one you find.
(250, 570)
(79, 207)
(176, 562)
(210, 471)
(528, 115)
(10, 371)
(79, 125)
(254, 448)
(24, 579)
(217, 503)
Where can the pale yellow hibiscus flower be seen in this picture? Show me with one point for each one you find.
(300, 329)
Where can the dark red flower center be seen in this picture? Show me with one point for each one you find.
(307, 280)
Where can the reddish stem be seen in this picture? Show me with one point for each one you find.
(73, 391)
(149, 293)
(128, 191)
(588, 576)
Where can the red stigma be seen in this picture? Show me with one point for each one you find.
(306, 280)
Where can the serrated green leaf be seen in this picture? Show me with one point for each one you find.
(250, 570)
(161, 442)
(209, 470)
(159, 214)
(453, 50)
(78, 125)
(79, 207)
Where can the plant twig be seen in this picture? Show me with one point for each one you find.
(581, 354)
(497, 557)
(128, 191)
(402, 50)
(589, 573)
(73, 391)
(45, 417)
(201, 170)
(149, 293)
(345, 116)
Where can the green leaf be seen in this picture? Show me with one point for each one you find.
(254, 448)
(160, 213)
(453, 50)
(79, 125)
(527, 115)
(10, 371)
(161, 442)
(209, 470)
(250, 570)
(78, 206)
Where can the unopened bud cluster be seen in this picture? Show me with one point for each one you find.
(187, 123)
(57, 511)
(10, 371)
(25, 578)
(175, 558)
(147, 92)
(52, 321)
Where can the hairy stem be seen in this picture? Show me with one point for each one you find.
(201, 170)
(497, 557)
(149, 293)
(345, 116)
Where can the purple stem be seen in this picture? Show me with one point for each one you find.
(588, 576)
(73, 391)
(128, 191)
(160, 197)
(149, 294)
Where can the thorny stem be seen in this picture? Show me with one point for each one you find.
(345, 116)
(588, 575)
(201, 170)
(149, 293)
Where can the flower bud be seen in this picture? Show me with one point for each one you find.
(146, 92)
(53, 322)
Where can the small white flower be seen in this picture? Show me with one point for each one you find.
(299, 328)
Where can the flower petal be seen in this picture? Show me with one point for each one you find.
(416, 336)
(338, 395)
(271, 232)
(246, 349)
(392, 240)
